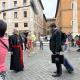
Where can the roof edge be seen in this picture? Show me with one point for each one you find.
(57, 8)
(44, 17)
(51, 19)
(41, 4)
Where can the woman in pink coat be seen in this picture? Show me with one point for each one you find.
(3, 49)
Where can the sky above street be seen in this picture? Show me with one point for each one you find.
(49, 8)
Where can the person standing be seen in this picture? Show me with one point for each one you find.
(55, 46)
(15, 44)
(3, 49)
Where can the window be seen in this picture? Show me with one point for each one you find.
(25, 24)
(3, 5)
(15, 14)
(24, 2)
(4, 15)
(15, 3)
(25, 13)
(16, 24)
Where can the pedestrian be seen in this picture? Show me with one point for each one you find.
(29, 44)
(15, 44)
(25, 39)
(55, 46)
(70, 37)
(41, 39)
(78, 43)
(3, 49)
(46, 38)
(66, 45)
(75, 39)
(33, 36)
(63, 40)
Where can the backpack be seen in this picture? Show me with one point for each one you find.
(63, 38)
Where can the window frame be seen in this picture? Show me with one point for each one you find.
(3, 5)
(26, 24)
(24, 2)
(4, 15)
(15, 5)
(25, 14)
(15, 25)
(15, 14)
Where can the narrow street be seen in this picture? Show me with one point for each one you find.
(31, 22)
(39, 67)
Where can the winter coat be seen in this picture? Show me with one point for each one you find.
(55, 41)
(3, 54)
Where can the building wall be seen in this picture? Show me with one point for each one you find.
(35, 21)
(65, 15)
(10, 15)
(44, 25)
(78, 2)
(65, 4)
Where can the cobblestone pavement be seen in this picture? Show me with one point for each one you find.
(39, 67)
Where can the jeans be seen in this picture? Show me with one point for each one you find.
(41, 45)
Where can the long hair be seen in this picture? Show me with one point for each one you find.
(3, 28)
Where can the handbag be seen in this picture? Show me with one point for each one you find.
(57, 58)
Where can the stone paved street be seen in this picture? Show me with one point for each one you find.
(39, 67)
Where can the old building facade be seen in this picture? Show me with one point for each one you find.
(68, 15)
(44, 24)
(19, 14)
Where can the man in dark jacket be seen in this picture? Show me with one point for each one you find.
(55, 46)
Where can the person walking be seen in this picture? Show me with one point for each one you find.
(66, 45)
(55, 46)
(41, 42)
(3, 49)
(15, 44)
(29, 44)
(33, 36)
(70, 37)
(25, 39)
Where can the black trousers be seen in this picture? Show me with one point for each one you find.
(58, 66)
